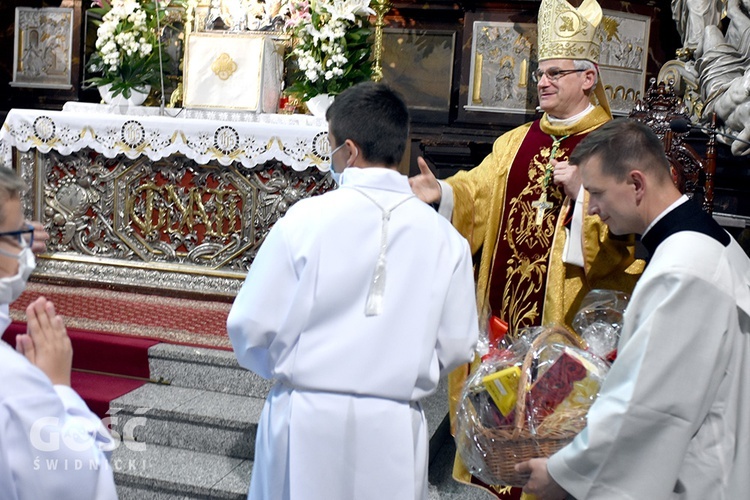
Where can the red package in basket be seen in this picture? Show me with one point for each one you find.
(498, 329)
(555, 384)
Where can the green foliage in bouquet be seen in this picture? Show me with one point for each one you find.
(127, 45)
(331, 45)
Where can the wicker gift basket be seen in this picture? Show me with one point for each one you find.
(490, 442)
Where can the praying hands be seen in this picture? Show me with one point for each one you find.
(46, 344)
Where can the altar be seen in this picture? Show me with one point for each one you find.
(172, 200)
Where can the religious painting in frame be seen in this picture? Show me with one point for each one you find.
(419, 65)
(623, 58)
(504, 53)
(503, 56)
(43, 48)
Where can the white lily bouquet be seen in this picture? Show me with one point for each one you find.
(331, 45)
(127, 46)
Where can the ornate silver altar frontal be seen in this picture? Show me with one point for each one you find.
(171, 224)
(141, 200)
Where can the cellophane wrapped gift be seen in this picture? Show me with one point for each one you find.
(526, 399)
(599, 321)
(566, 381)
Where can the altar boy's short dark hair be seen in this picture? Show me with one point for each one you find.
(375, 117)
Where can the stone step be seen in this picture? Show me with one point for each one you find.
(188, 418)
(214, 422)
(217, 370)
(204, 368)
(147, 471)
(193, 435)
(163, 473)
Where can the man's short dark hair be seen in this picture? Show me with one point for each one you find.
(623, 145)
(375, 117)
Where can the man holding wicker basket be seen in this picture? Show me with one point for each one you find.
(672, 418)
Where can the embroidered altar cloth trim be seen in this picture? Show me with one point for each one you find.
(250, 139)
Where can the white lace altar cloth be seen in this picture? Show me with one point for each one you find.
(299, 141)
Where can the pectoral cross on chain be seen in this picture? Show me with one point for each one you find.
(541, 205)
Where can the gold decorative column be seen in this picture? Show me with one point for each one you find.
(381, 8)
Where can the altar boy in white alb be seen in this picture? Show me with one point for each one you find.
(357, 302)
(51, 445)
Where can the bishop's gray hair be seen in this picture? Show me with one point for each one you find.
(585, 64)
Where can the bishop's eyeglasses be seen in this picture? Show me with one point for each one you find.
(21, 237)
(552, 74)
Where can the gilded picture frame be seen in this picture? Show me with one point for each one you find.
(503, 56)
(419, 65)
(43, 48)
(504, 53)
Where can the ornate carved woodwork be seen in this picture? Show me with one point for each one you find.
(692, 173)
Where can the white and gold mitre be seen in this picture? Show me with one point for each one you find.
(569, 33)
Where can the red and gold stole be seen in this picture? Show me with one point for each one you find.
(532, 206)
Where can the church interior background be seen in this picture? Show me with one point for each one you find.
(133, 210)
(463, 67)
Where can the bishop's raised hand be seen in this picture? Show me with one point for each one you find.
(425, 185)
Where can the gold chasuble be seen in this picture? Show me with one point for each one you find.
(511, 212)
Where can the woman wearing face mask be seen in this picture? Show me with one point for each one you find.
(51, 444)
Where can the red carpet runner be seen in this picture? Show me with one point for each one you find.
(112, 331)
(115, 358)
(173, 320)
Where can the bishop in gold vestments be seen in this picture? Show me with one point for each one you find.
(521, 275)
(537, 251)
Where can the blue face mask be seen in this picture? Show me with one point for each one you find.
(336, 176)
